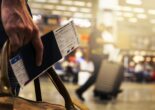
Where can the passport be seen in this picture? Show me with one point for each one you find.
(57, 44)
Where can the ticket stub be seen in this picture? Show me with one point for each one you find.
(66, 38)
(19, 69)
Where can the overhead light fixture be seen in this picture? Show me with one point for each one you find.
(67, 13)
(51, 1)
(48, 6)
(107, 4)
(73, 9)
(134, 2)
(67, 2)
(36, 5)
(128, 15)
(85, 10)
(126, 8)
(79, 3)
(40, 0)
(151, 12)
(141, 16)
(139, 10)
(61, 7)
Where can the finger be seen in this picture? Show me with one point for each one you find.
(14, 42)
(21, 38)
(37, 43)
(27, 35)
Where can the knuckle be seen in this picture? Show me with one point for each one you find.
(20, 27)
(9, 27)
(36, 30)
(29, 28)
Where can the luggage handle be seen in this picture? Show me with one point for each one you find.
(5, 87)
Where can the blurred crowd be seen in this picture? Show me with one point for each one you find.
(140, 72)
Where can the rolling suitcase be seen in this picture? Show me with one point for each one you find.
(109, 79)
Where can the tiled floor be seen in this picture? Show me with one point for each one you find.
(134, 96)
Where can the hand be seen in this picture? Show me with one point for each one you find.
(20, 28)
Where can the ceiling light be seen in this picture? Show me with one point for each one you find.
(40, 0)
(132, 20)
(52, 1)
(85, 10)
(126, 8)
(47, 6)
(134, 2)
(138, 10)
(122, 8)
(61, 7)
(141, 16)
(79, 3)
(73, 9)
(36, 5)
(67, 2)
(128, 15)
(57, 12)
(67, 13)
(151, 12)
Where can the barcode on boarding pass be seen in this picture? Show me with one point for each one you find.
(19, 69)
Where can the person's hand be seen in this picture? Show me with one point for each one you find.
(20, 28)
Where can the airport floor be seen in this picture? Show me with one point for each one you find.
(134, 96)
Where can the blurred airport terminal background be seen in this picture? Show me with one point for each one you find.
(127, 29)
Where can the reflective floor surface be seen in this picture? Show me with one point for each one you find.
(134, 96)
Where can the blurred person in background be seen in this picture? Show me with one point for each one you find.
(16, 25)
(139, 71)
(96, 55)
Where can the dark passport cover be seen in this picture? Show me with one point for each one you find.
(50, 56)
